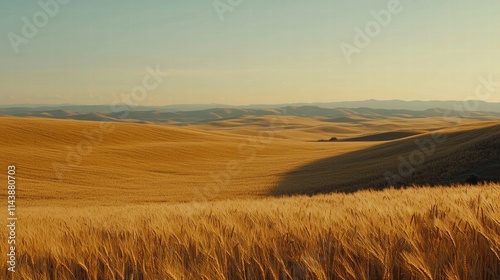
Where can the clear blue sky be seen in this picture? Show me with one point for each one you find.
(263, 51)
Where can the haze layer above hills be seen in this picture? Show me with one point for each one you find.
(481, 106)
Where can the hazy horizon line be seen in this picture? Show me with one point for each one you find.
(239, 105)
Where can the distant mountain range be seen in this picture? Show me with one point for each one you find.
(345, 112)
(482, 106)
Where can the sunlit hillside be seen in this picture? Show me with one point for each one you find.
(56, 161)
(64, 160)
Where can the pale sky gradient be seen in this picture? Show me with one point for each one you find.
(280, 51)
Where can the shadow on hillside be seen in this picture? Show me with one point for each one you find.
(417, 160)
(386, 136)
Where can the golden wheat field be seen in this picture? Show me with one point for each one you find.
(416, 233)
(233, 200)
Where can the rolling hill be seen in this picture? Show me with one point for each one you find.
(85, 162)
(441, 157)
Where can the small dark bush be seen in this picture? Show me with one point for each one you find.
(472, 180)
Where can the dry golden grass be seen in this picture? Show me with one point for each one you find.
(147, 163)
(152, 163)
(417, 233)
